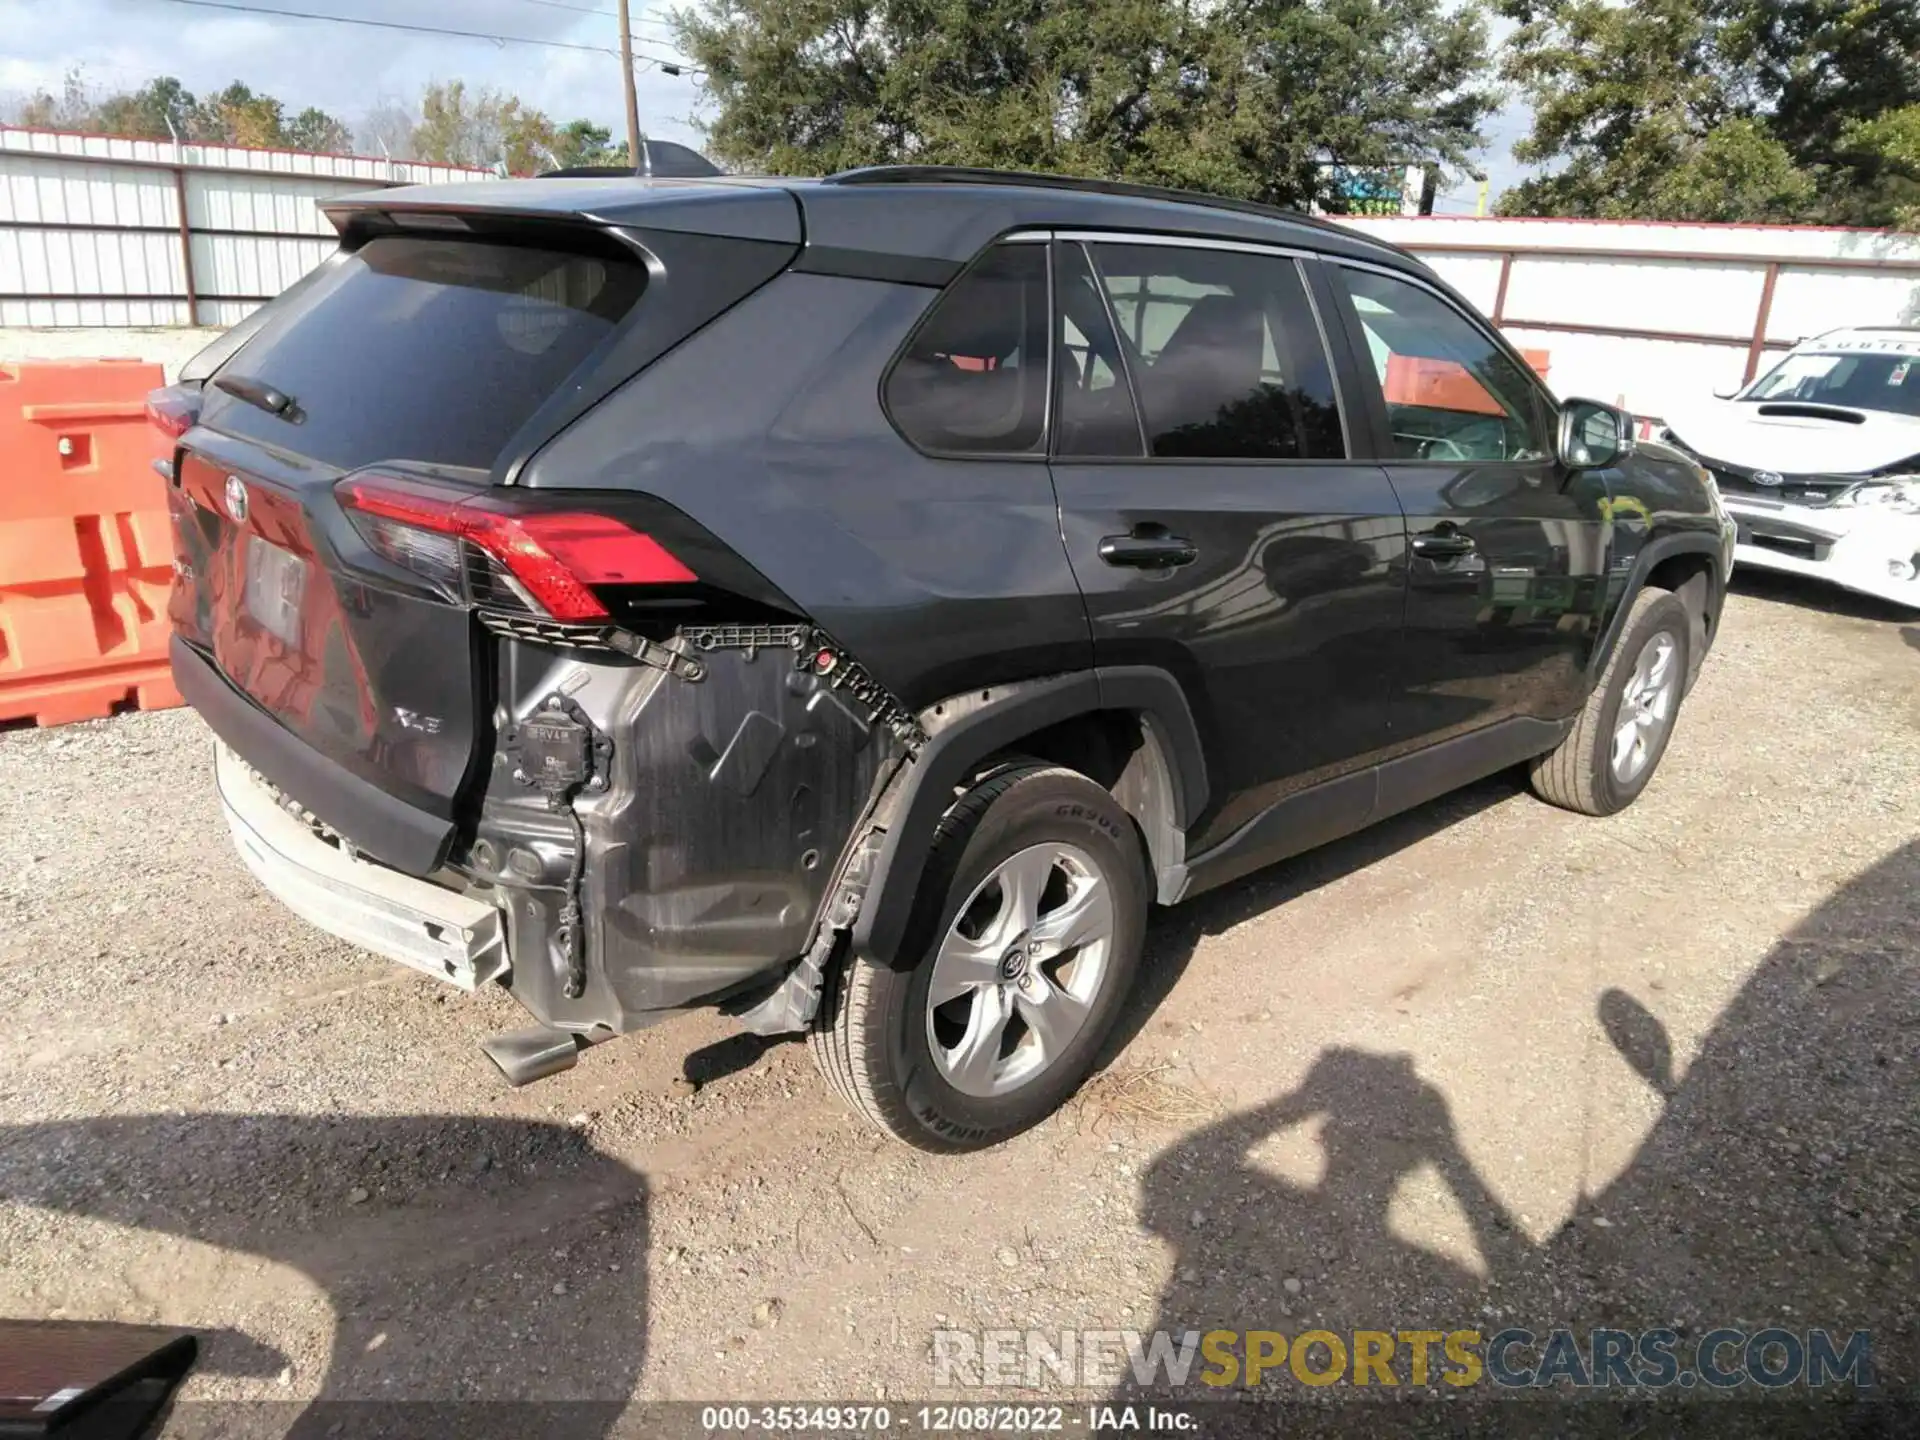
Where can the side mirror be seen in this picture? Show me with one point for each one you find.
(1727, 392)
(1593, 436)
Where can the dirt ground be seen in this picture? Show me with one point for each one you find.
(1487, 1064)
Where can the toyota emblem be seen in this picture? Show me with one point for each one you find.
(237, 499)
(1769, 478)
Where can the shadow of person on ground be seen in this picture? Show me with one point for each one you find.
(1777, 1188)
(463, 1259)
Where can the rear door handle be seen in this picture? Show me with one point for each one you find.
(1147, 552)
(1442, 545)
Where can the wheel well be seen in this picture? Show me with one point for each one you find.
(1118, 750)
(1690, 576)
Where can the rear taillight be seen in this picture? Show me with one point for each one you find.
(552, 559)
(174, 409)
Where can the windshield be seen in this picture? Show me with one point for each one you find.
(1889, 382)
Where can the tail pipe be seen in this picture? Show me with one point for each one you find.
(525, 1056)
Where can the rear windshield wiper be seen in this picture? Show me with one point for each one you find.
(258, 392)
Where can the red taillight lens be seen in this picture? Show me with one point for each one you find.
(556, 556)
(174, 409)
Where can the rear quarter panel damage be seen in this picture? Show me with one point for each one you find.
(709, 854)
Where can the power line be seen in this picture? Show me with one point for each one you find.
(593, 10)
(682, 65)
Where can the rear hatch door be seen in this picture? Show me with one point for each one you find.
(418, 356)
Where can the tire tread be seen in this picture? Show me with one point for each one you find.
(845, 1031)
(1568, 775)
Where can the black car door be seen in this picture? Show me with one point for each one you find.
(1216, 522)
(1507, 551)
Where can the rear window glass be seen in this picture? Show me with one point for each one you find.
(428, 349)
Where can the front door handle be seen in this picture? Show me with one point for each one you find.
(1148, 551)
(1443, 545)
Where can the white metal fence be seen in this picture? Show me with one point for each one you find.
(1643, 314)
(100, 230)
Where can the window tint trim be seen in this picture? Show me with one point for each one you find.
(1088, 238)
(1333, 359)
(1059, 248)
(1375, 397)
(1185, 242)
(1041, 452)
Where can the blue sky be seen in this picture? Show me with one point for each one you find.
(345, 69)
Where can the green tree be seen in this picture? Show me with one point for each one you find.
(316, 130)
(581, 142)
(1261, 99)
(1887, 149)
(1823, 72)
(237, 116)
(1712, 109)
(483, 127)
(161, 109)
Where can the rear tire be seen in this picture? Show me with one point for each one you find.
(1031, 918)
(1621, 733)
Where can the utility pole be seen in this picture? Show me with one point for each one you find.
(636, 142)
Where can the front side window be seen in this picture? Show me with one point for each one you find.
(973, 379)
(1451, 393)
(1225, 353)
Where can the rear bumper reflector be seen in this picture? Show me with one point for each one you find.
(447, 935)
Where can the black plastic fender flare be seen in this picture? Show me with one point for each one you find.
(946, 760)
(1660, 548)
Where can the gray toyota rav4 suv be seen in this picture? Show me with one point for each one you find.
(853, 603)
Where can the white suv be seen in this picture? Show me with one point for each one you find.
(1819, 461)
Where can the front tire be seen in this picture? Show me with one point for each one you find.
(1023, 947)
(1616, 744)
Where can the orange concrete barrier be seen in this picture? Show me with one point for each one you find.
(1447, 385)
(86, 550)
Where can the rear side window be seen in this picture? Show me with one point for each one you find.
(1225, 352)
(973, 379)
(433, 350)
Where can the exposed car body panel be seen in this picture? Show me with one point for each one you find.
(727, 806)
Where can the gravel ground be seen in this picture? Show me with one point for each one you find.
(1486, 1064)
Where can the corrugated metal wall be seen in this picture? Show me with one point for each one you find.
(103, 231)
(1642, 314)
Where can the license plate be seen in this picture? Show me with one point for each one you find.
(276, 584)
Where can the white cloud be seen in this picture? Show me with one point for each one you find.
(345, 69)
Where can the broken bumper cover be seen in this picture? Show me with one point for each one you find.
(1867, 549)
(442, 933)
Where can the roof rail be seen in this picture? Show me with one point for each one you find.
(971, 175)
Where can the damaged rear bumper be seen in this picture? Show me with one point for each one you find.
(439, 932)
